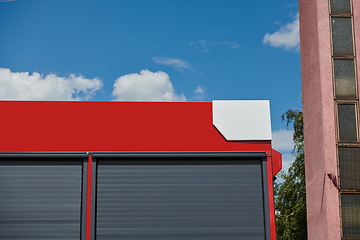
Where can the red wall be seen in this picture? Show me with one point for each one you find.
(113, 127)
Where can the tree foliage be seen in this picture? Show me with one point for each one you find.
(290, 195)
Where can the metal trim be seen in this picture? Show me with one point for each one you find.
(83, 199)
(265, 188)
(135, 154)
(44, 155)
(93, 199)
(179, 154)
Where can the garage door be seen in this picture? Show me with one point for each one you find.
(172, 197)
(40, 198)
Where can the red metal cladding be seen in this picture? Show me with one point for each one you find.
(276, 161)
(43, 126)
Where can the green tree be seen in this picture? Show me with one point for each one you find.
(290, 195)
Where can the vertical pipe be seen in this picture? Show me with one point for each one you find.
(267, 167)
(84, 198)
(88, 199)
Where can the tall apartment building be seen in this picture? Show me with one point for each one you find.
(329, 38)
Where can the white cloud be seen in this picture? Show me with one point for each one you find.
(200, 94)
(288, 5)
(282, 140)
(199, 90)
(287, 160)
(146, 86)
(204, 45)
(178, 64)
(287, 36)
(23, 86)
(232, 45)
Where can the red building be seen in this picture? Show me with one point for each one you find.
(135, 170)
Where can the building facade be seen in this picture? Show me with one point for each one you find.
(137, 170)
(329, 33)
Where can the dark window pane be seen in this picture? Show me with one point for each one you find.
(342, 36)
(340, 6)
(344, 77)
(347, 123)
(349, 168)
(350, 211)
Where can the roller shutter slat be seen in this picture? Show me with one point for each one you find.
(40, 200)
(176, 202)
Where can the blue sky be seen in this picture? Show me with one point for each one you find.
(153, 50)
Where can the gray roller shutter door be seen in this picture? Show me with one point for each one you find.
(169, 201)
(40, 199)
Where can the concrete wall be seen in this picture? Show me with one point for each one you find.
(319, 120)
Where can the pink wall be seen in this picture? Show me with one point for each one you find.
(319, 120)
